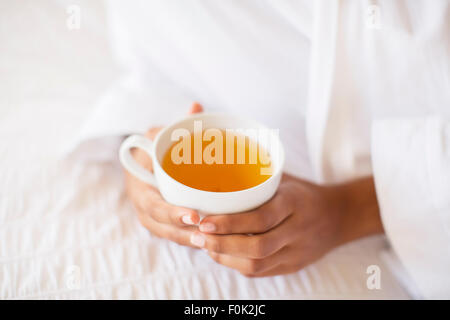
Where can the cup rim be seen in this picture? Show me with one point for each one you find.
(215, 114)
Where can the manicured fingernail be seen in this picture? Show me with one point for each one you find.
(197, 240)
(207, 227)
(187, 219)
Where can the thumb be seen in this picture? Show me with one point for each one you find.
(196, 108)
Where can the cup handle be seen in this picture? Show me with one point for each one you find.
(127, 160)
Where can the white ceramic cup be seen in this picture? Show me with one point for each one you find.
(206, 202)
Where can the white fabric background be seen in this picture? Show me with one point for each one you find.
(55, 216)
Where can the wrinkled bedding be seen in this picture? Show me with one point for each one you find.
(68, 232)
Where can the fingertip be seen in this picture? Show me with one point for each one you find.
(152, 132)
(195, 217)
(196, 108)
(189, 216)
(215, 224)
(186, 219)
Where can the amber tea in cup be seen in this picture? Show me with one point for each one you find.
(236, 162)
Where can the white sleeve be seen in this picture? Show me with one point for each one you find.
(132, 105)
(411, 164)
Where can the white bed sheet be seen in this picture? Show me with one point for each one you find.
(66, 229)
(68, 232)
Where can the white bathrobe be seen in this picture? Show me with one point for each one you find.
(355, 87)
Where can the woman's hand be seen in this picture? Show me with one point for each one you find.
(299, 225)
(155, 214)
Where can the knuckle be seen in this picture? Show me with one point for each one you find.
(144, 203)
(254, 266)
(173, 217)
(216, 245)
(144, 216)
(280, 201)
(175, 237)
(153, 198)
(154, 208)
(154, 216)
(151, 210)
(286, 202)
(260, 248)
(225, 224)
(282, 197)
(265, 221)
